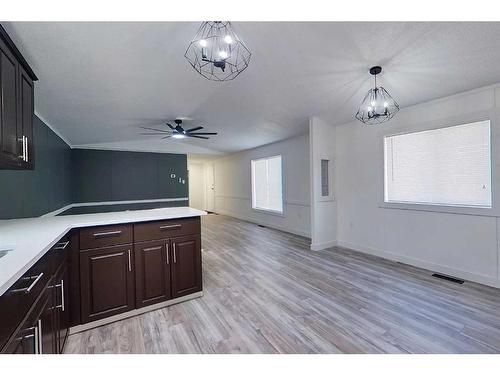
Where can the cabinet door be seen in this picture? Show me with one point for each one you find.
(10, 136)
(152, 272)
(61, 308)
(186, 265)
(25, 117)
(106, 282)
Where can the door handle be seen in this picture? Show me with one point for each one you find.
(129, 262)
(168, 256)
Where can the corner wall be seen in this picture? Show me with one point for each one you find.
(233, 196)
(458, 244)
(323, 209)
(26, 193)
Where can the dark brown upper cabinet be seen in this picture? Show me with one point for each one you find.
(16, 107)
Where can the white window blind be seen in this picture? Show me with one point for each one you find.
(267, 192)
(449, 166)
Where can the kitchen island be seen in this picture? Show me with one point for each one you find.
(93, 269)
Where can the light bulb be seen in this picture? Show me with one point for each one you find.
(203, 43)
(369, 109)
(228, 39)
(373, 103)
(223, 54)
(178, 136)
(386, 104)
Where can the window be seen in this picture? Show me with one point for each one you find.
(448, 166)
(267, 191)
(325, 181)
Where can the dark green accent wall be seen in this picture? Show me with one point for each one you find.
(100, 176)
(44, 189)
(63, 176)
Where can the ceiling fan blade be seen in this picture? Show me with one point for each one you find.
(194, 129)
(159, 133)
(157, 130)
(196, 136)
(170, 126)
(168, 136)
(204, 133)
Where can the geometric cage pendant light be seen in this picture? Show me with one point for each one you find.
(377, 106)
(217, 53)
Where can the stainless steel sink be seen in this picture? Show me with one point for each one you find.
(4, 252)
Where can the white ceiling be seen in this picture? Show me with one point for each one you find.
(100, 81)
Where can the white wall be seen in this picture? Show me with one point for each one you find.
(233, 195)
(323, 210)
(197, 191)
(459, 244)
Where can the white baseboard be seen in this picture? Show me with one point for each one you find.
(298, 232)
(323, 245)
(432, 267)
(131, 313)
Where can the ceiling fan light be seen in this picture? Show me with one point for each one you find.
(178, 136)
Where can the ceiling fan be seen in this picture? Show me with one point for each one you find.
(177, 131)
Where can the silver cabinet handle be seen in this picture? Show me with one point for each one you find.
(26, 147)
(173, 226)
(129, 262)
(23, 156)
(175, 258)
(168, 256)
(28, 289)
(61, 285)
(61, 245)
(103, 234)
(37, 340)
(40, 340)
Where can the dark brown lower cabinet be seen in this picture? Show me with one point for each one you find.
(186, 265)
(40, 297)
(152, 272)
(106, 282)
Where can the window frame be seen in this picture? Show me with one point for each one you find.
(494, 210)
(261, 209)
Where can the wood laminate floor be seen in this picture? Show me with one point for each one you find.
(265, 292)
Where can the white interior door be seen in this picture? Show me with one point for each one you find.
(210, 187)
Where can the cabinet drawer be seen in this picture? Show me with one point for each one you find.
(109, 235)
(167, 228)
(16, 302)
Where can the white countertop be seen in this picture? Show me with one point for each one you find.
(31, 238)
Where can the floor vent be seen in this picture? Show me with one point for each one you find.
(448, 278)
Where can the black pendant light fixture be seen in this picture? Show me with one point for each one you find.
(377, 106)
(217, 53)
